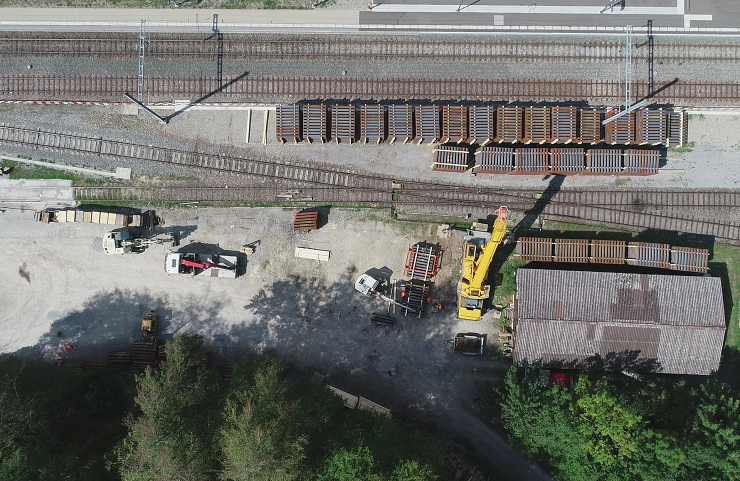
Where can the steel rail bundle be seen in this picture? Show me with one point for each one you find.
(402, 48)
(112, 88)
(440, 198)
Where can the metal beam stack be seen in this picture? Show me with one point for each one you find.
(314, 123)
(604, 161)
(450, 158)
(509, 124)
(590, 132)
(481, 124)
(641, 162)
(649, 254)
(372, 123)
(564, 124)
(494, 160)
(536, 125)
(454, 124)
(288, 123)
(400, 123)
(427, 124)
(343, 123)
(652, 127)
(531, 161)
(566, 161)
(678, 128)
(620, 131)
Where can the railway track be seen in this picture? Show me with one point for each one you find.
(112, 88)
(302, 180)
(332, 47)
(409, 201)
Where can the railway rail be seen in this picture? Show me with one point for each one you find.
(353, 187)
(331, 47)
(112, 88)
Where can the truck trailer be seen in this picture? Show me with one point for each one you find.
(206, 265)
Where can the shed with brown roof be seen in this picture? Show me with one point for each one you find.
(618, 321)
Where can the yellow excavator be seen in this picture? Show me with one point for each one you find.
(476, 262)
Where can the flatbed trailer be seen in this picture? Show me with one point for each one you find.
(470, 344)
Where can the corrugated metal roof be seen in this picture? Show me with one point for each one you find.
(670, 324)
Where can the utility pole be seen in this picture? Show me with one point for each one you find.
(142, 43)
(628, 69)
(650, 56)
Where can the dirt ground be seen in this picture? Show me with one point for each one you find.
(59, 287)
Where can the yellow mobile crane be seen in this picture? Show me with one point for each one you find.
(476, 262)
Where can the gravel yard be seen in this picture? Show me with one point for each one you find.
(710, 163)
(60, 288)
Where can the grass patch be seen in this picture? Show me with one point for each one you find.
(28, 171)
(729, 256)
(507, 288)
(689, 147)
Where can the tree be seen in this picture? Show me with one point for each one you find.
(180, 405)
(260, 439)
(713, 452)
(352, 465)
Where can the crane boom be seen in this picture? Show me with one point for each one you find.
(475, 271)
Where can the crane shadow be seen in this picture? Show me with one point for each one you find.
(222, 86)
(531, 215)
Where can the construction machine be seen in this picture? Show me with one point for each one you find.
(149, 324)
(369, 286)
(477, 256)
(125, 241)
(206, 265)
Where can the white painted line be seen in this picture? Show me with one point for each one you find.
(120, 173)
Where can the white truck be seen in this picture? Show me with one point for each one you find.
(207, 265)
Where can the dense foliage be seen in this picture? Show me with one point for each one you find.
(625, 430)
(184, 422)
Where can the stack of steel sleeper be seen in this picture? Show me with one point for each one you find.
(494, 160)
(400, 123)
(288, 123)
(427, 124)
(422, 262)
(314, 123)
(534, 249)
(536, 125)
(590, 132)
(678, 128)
(508, 124)
(343, 123)
(481, 124)
(652, 127)
(604, 161)
(641, 162)
(566, 161)
(451, 158)
(416, 295)
(531, 161)
(564, 124)
(454, 124)
(690, 259)
(648, 254)
(607, 251)
(372, 124)
(596, 251)
(571, 250)
(620, 131)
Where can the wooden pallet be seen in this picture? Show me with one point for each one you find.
(306, 221)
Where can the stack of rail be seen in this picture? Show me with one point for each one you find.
(483, 124)
(593, 251)
(563, 161)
